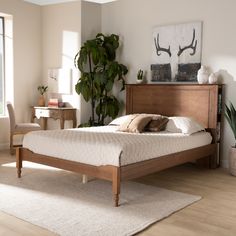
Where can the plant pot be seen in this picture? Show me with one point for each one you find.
(139, 81)
(41, 101)
(232, 161)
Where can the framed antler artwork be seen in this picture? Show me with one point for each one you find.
(176, 52)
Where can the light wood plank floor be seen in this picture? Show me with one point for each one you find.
(214, 215)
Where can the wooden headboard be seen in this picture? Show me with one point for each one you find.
(193, 100)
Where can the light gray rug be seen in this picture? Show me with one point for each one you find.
(56, 200)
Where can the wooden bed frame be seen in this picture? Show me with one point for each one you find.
(198, 101)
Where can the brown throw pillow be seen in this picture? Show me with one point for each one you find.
(136, 123)
(158, 123)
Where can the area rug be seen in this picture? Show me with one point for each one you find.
(57, 200)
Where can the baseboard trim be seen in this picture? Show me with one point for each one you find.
(4, 146)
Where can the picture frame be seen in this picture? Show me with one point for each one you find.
(176, 52)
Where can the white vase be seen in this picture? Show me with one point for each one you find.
(232, 161)
(202, 75)
(212, 79)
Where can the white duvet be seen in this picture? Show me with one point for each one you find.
(104, 146)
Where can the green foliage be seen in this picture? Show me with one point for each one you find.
(230, 114)
(140, 75)
(99, 72)
(42, 89)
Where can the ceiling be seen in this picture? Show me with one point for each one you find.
(48, 2)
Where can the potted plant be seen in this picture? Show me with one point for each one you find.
(42, 90)
(140, 77)
(230, 114)
(99, 69)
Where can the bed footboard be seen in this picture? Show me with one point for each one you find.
(110, 173)
(115, 174)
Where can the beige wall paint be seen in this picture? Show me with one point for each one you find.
(27, 59)
(133, 20)
(91, 25)
(61, 38)
(91, 20)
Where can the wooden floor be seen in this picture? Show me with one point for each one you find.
(214, 215)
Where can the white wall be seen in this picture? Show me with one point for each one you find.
(61, 39)
(27, 59)
(133, 20)
(91, 20)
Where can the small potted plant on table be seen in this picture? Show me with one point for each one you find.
(42, 90)
(140, 77)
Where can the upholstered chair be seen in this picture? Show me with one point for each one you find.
(20, 128)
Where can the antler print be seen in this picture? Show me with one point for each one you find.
(159, 49)
(192, 46)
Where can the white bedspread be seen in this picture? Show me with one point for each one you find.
(103, 146)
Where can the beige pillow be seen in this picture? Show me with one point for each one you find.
(185, 125)
(136, 123)
(120, 120)
(158, 123)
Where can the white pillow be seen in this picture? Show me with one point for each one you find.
(185, 125)
(120, 120)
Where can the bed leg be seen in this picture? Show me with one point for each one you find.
(18, 162)
(116, 200)
(116, 185)
(84, 179)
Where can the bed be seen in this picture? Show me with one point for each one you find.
(198, 101)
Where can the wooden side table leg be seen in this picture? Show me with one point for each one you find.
(74, 122)
(62, 121)
(44, 122)
(74, 119)
(32, 115)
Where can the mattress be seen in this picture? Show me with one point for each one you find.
(105, 146)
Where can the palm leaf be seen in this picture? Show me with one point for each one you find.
(230, 114)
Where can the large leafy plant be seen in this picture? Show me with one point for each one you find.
(99, 69)
(230, 114)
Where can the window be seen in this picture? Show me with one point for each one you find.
(2, 97)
